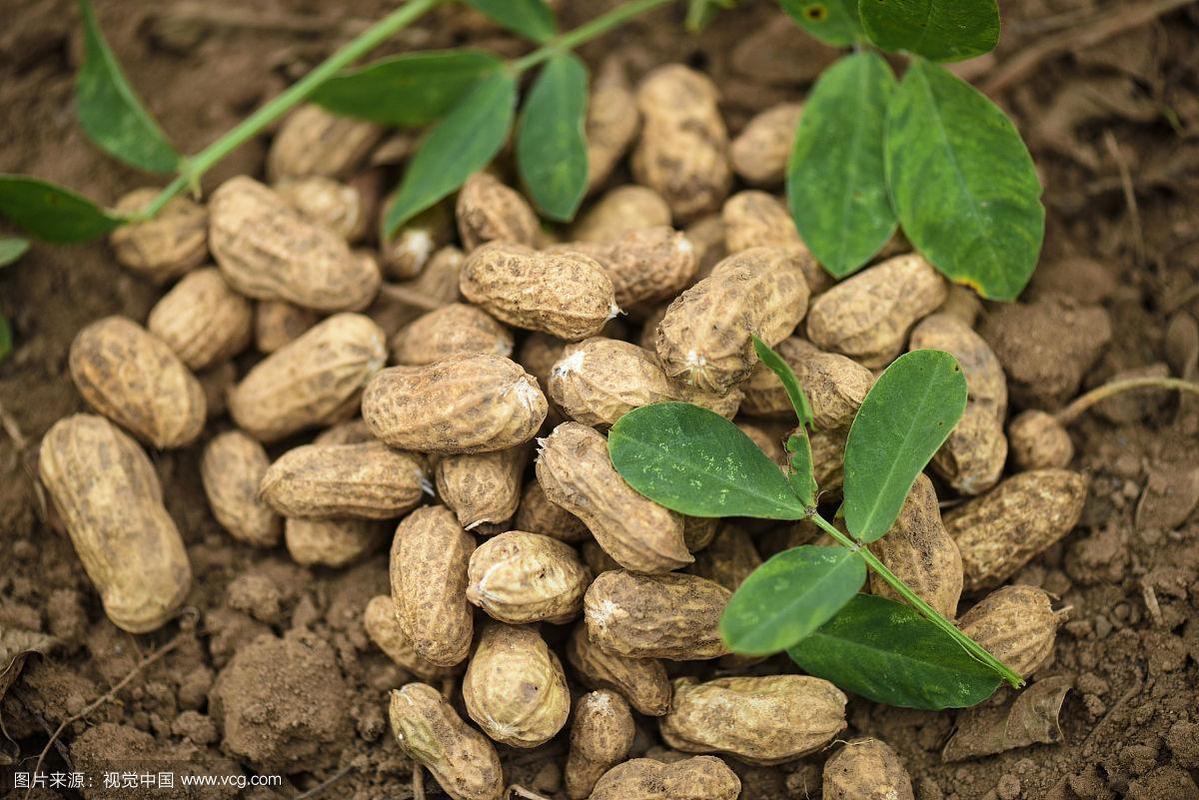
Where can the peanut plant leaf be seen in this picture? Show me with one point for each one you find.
(795, 393)
(463, 142)
(789, 597)
(803, 471)
(833, 22)
(407, 90)
(5, 338)
(963, 183)
(532, 19)
(110, 111)
(943, 30)
(53, 213)
(836, 176)
(906, 417)
(551, 146)
(12, 249)
(696, 462)
(886, 652)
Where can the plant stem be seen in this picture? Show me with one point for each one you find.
(895, 582)
(1080, 405)
(586, 32)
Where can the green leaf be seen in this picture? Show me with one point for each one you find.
(109, 110)
(408, 90)
(532, 19)
(795, 393)
(886, 652)
(551, 146)
(5, 338)
(836, 177)
(700, 13)
(51, 212)
(803, 471)
(962, 183)
(698, 463)
(461, 144)
(11, 250)
(834, 22)
(906, 417)
(943, 30)
(789, 597)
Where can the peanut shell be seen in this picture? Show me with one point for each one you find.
(202, 319)
(671, 616)
(278, 322)
(489, 211)
(312, 141)
(1038, 441)
(620, 210)
(482, 488)
(332, 542)
(758, 219)
(835, 385)
(985, 380)
(383, 628)
(231, 470)
(337, 206)
(165, 247)
(729, 559)
(455, 329)
(760, 152)
(972, 458)
(866, 769)
(612, 120)
(537, 514)
(645, 265)
(699, 778)
(520, 577)
(437, 283)
(407, 252)
(641, 681)
(344, 481)
(601, 736)
(1016, 624)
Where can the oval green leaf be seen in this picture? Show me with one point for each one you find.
(11, 250)
(906, 417)
(696, 462)
(463, 143)
(943, 30)
(532, 19)
(803, 470)
(886, 652)
(109, 110)
(52, 213)
(408, 90)
(963, 183)
(834, 22)
(836, 177)
(551, 145)
(786, 376)
(789, 597)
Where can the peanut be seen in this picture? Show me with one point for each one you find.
(344, 481)
(231, 470)
(383, 627)
(1016, 624)
(612, 121)
(537, 514)
(538, 354)
(619, 211)
(972, 458)
(333, 205)
(482, 488)
(600, 737)
(489, 211)
(729, 559)
(768, 440)
(165, 247)
(699, 778)
(645, 265)
(835, 385)
(455, 329)
(828, 458)
(278, 322)
(866, 769)
(438, 282)
(311, 141)
(641, 681)
(984, 374)
(519, 577)
(1039, 441)
(217, 382)
(758, 219)
(107, 494)
(698, 532)
(760, 152)
(202, 319)
(409, 250)
(707, 235)
(351, 431)
(332, 542)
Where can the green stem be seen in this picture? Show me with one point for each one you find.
(586, 32)
(895, 582)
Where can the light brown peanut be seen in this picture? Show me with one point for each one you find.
(972, 458)
(707, 236)
(984, 374)
(383, 627)
(1038, 441)
(202, 319)
(437, 283)
(337, 206)
(835, 385)
(332, 542)
(455, 329)
(537, 514)
(645, 265)
(760, 152)
(620, 210)
(407, 252)
(520, 577)
(757, 219)
(344, 481)
(1016, 624)
(866, 769)
(231, 470)
(164, 247)
(641, 681)
(699, 778)
(612, 120)
(489, 211)
(601, 736)
(482, 488)
(312, 141)
(217, 382)
(698, 532)
(729, 559)
(278, 322)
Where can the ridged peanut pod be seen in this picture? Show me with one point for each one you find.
(760, 151)
(383, 627)
(620, 210)
(520, 577)
(438, 281)
(482, 488)
(698, 532)
(462, 404)
(1004, 529)
(683, 150)
(537, 514)
(413, 245)
(429, 560)
(699, 778)
(136, 380)
(919, 550)
(514, 686)
(453, 330)
(835, 385)
(489, 211)
(576, 473)
(267, 251)
(984, 374)
(612, 120)
(278, 322)
(337, 206)
(332, 542)
(315, 380)
(344, 481)
(670, 616)
(568, 295)
(231, 470)
(109, 498)
(972, 458)
(645, 265)
(164, 247)
(867, 317)
(764, 720)
(312, 141)
(429, 731)
(866, 769)
(641, 681)
(1016, 624)
(729, 559)
(597, 381)
(202, 319)
(1038, 441)
(757, 219)
(705, 339)
(600, 737)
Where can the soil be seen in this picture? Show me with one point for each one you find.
(270, 670)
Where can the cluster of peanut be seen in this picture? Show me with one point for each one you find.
(514, 336)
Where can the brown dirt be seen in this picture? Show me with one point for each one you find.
(296, 669)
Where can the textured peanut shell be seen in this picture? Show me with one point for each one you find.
(164, 247)
(107, 495)
(1001, 531)
(520, 577)
(867, 317)
(985, 380)
(866, 769)
(601, 736)
(332, 542)
(1038, 441)
(729, 559)
(231, 470)
(438, 282)
(337, 206)
(1016, 624)
(576, 473)
(429, 560)
(537, 514)
(456, 329)
(671, 616)
(461, 404)
(314, 380)
(407, 253)
(597, 381)
(489, 211)
(344, 481)
(136, 380)
(278, 322)
(381, 625)
(707, 236)
(538, 354)
(312, 141)
(758, 219)
(612, 120)
(216, 383)
(620, 210)
(972, 458)
(202, 319)
(641, 681)
(698, 532)
(705, 339)
(482, 488)
(350, 431)
(919, 550)
(567, 295)
(760, 152)
(463, 762)
(763, 720)
(645, 265)
(514, 686)
(267, 251)
(828, 458)
(699, 778)
(835, 385)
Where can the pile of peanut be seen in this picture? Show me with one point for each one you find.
(479, 454)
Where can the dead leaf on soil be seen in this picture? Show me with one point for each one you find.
(1032, 718)
(15, 647)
